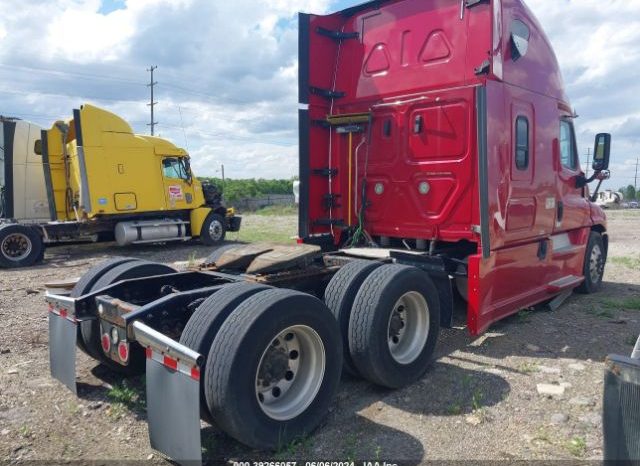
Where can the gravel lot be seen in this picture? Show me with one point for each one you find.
(480, 400)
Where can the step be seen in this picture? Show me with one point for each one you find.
(564, 283)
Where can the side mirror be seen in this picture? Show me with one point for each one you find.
(37, 147)
(602, 152)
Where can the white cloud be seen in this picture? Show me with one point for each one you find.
(597, 46)
(230, 67)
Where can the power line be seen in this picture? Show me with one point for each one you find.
(72, 74)
(152, 104)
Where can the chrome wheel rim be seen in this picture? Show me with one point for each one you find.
(215, 230)
(290, 372)
(16, 247)
(408, 327)
(595, 264)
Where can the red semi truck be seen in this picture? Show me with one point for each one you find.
(437, 157)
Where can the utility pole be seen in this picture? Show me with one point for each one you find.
(152, 104)
(635, 181)
(588, 160)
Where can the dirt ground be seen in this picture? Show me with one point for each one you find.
(480, 400)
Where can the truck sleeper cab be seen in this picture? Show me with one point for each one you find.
(97, 179)
(427, 165)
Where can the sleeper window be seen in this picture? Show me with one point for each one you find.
(522, 143)
(567, 145)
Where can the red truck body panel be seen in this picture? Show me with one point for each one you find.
(469, 139)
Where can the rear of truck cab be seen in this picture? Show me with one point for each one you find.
(444, 128)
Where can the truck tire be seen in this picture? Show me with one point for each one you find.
(90, 330)
(218, 252)
(83, 286)
(205, 322)
(394, 325)
(274, 368)
(20, 246)
(339, 297)
(595, 258)
(213, 229)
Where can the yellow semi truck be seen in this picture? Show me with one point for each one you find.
(103, 181)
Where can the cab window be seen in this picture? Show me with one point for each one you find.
(174, 168)
(522, 143)
(568, 153)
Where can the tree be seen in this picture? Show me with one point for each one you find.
(629, 193)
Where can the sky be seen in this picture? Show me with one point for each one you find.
(227, 72)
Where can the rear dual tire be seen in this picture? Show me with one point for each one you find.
(274, 368)
(205, 323)
(339, 297)
(389, 317)
(103, 275)
(273, 362)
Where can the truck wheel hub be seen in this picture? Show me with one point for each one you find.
(595, 264)
(215, 230)
(408, 327)
(16, 246)
(290, 372)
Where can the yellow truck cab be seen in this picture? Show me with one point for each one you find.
(102, 179)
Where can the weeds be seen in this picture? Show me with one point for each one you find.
(528, 368)
(25, 431)
(349, 448)
(192, 260)
(378, 452)
(476, 400)
(295, 448)
(599, 312)
(455, 409)
(524, 316)
(577, 446)
(629, 304)
(124, 397)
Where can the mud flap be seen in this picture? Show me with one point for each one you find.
(173, 396)
(62, 350)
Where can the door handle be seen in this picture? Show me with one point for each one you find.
(560, 212)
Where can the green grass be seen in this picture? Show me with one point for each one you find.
(629, 304)
(455, 409)
(124, 396)
(577, 446)
(601, 312)
(298, 447)
(628, 262)
(528, 368)
(277, 229)
(524, 316)
(25, 431)
(278, 210)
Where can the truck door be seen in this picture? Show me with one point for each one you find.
(178, 185)
(572, 208)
